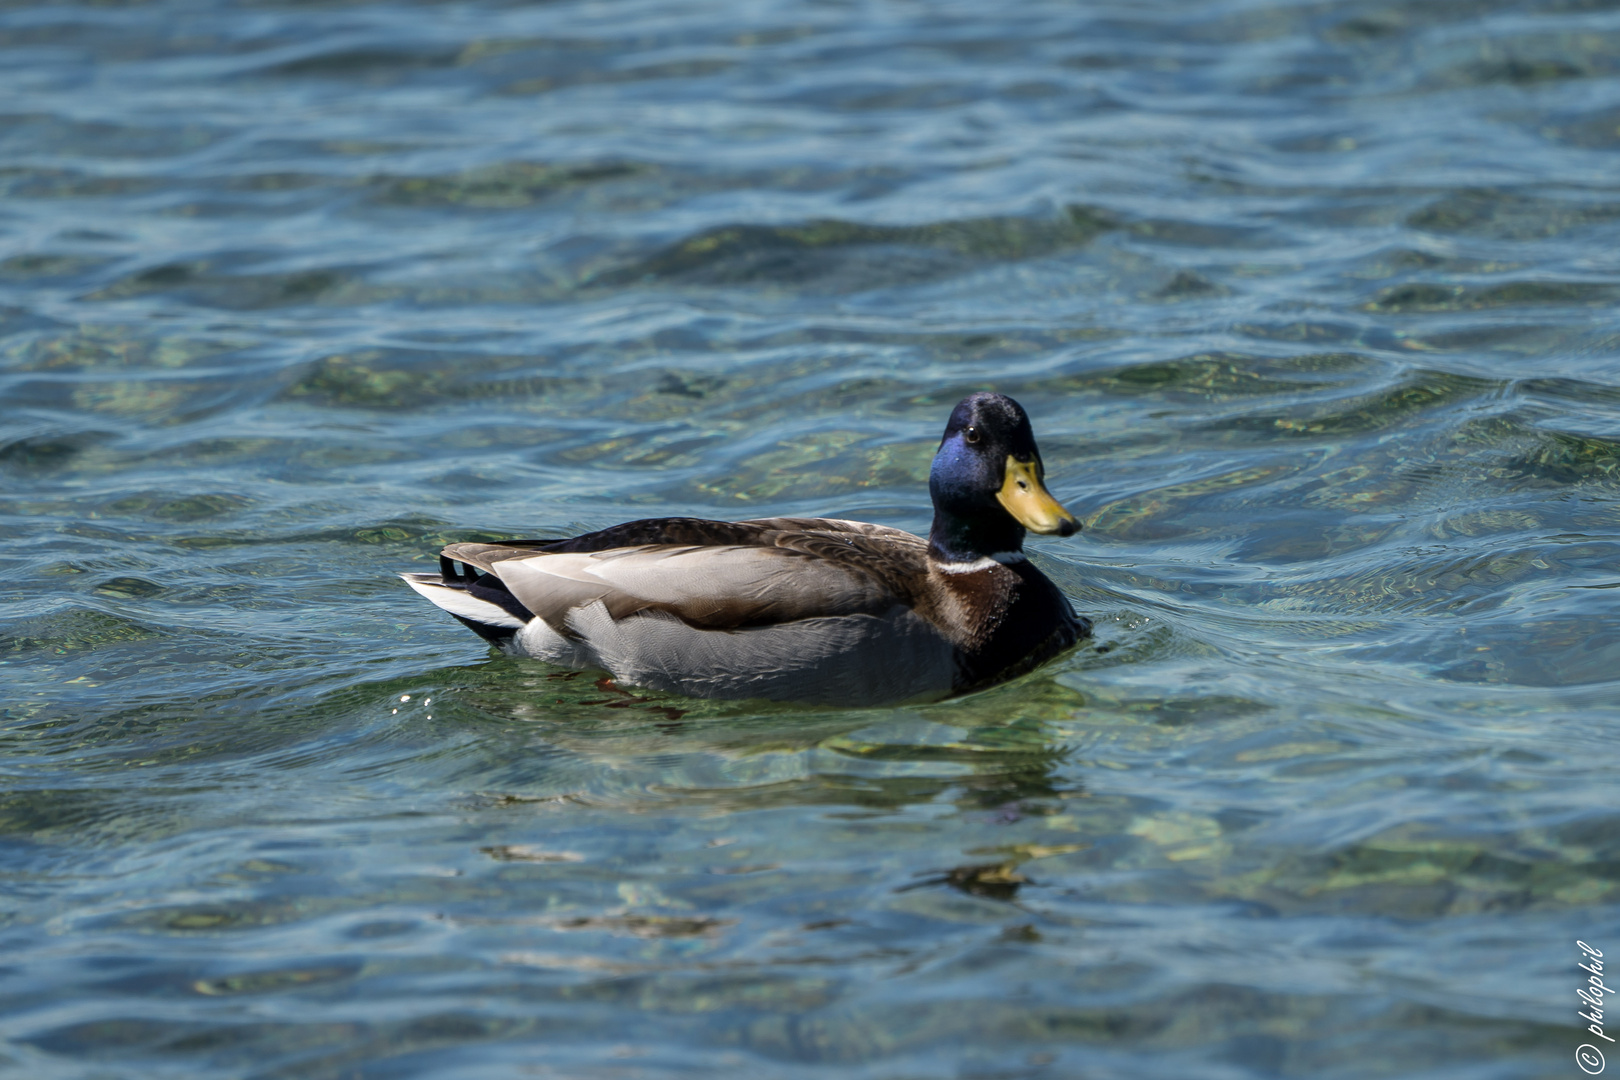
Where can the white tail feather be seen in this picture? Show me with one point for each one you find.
(460, 602)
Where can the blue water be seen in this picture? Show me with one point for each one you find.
(1313, 306)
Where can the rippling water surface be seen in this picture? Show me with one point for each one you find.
(1313, 304)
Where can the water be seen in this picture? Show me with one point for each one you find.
(1313, 306)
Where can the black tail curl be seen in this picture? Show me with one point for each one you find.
(485, 587)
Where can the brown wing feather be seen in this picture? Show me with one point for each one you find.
(684, 532)
(712, 574)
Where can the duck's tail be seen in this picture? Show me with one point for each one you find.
(482, 603)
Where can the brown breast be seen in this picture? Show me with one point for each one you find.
(1004, 620)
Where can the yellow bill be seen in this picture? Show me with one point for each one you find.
(1027, 500)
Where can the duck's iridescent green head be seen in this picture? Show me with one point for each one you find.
(988, 483)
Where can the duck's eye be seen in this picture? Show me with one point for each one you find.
(1023, 485)
(971, 435)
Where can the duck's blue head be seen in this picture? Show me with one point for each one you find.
(988, 483)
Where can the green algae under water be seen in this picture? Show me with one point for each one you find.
(1313, 306)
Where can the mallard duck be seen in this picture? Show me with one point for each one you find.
(814, 610)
